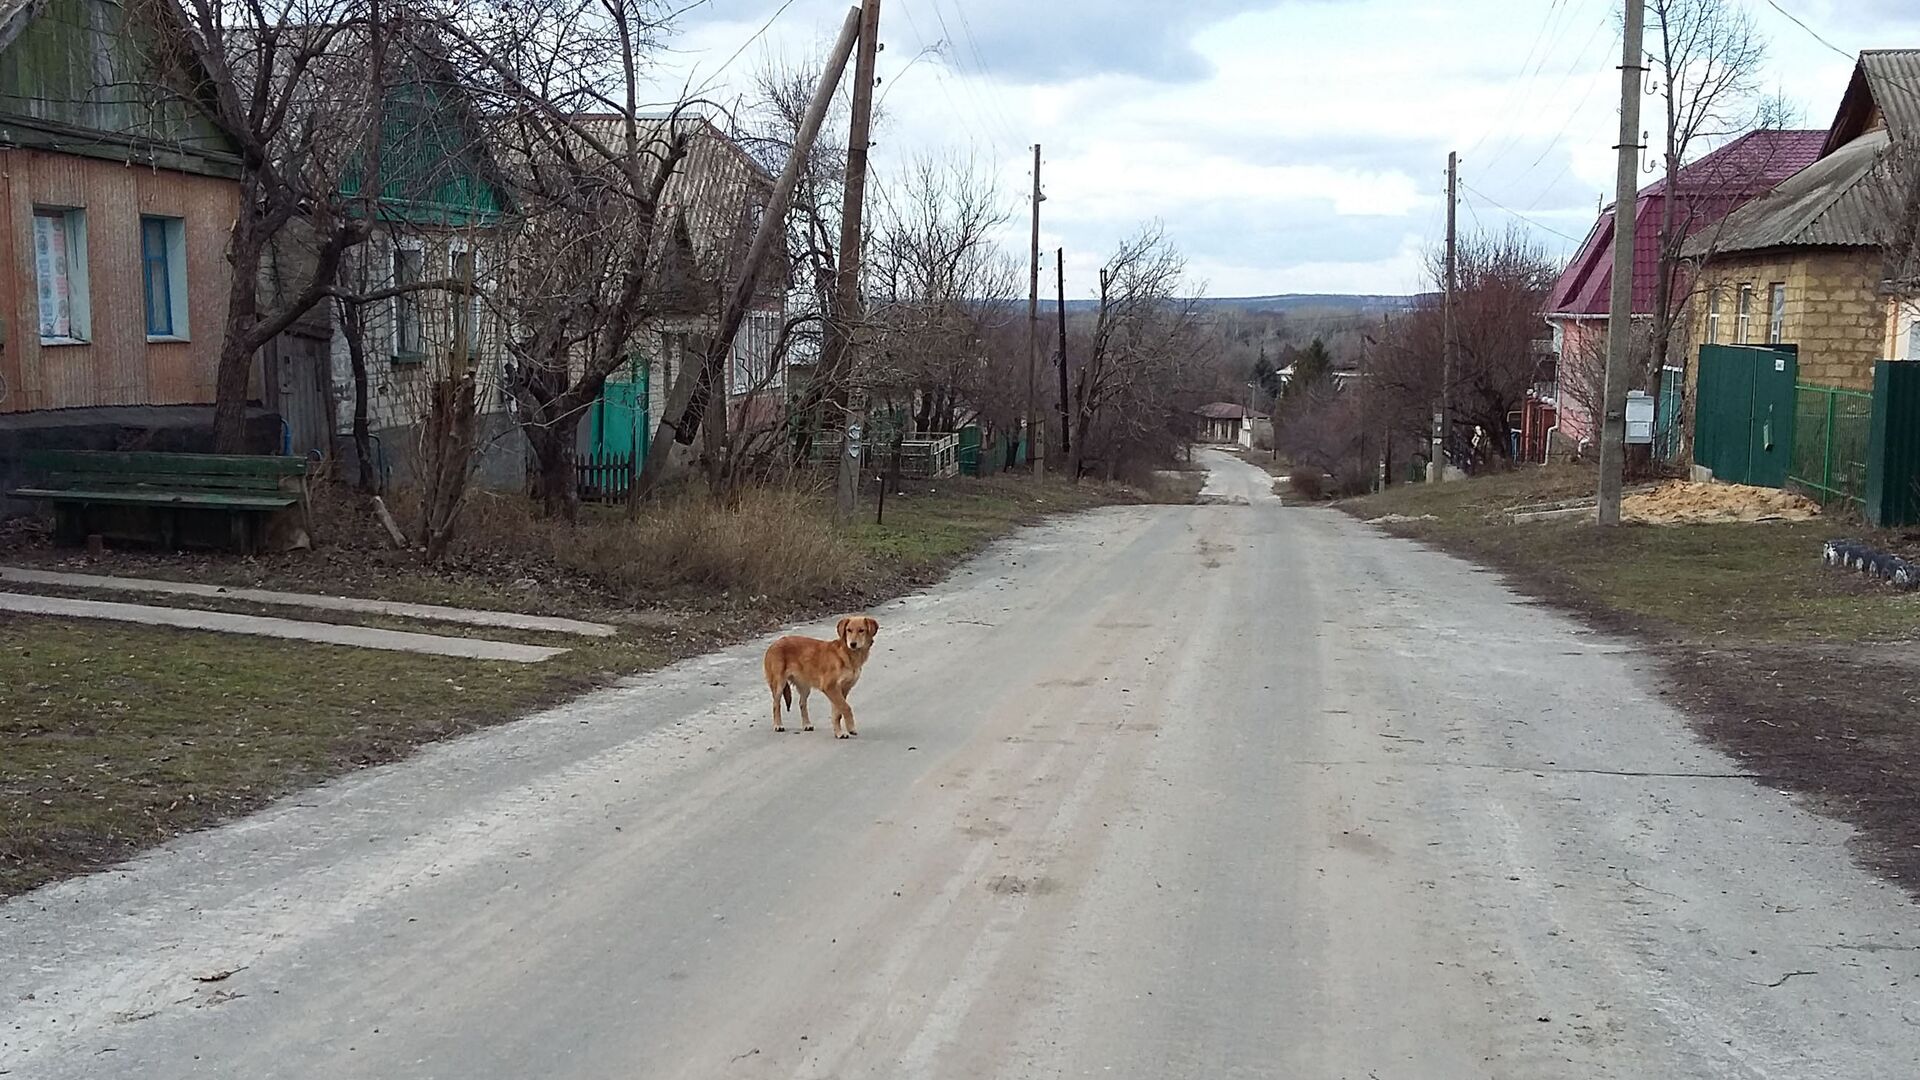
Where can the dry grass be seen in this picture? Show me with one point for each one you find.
(775, 544)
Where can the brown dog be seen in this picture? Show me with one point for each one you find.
(831, 667)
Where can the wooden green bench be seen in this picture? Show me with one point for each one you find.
(167, 498)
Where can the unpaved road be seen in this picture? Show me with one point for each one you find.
(1173, 792)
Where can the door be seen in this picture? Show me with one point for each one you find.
(619, 431)
(298, 374)
(1743, 420)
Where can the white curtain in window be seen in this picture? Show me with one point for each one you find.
(51, 265)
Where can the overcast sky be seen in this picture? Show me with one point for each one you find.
(1287, 145)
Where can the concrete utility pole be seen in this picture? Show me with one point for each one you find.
(847, 306)
(1443, 420)
(1035, 452)
(1060, 305)
(1613, 425)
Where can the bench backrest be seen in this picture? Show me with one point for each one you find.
(113, 470)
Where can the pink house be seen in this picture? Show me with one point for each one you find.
(1707, 191)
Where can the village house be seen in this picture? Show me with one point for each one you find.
(1558, 417)
(116, 202)
(1805, 265)
(1227, 424)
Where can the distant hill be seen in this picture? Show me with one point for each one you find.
(1290, 303)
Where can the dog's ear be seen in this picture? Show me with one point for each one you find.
(840, 628)
(873, 626)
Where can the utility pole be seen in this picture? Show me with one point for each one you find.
(1443, 421)
(1035, 453)
(1613, 425)
(847, 306)
(1060, 306)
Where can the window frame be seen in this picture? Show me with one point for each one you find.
(73, 234)
(173, 264)
(1776, 312)
(1713, 315)
(404, 309)
(1743, 314)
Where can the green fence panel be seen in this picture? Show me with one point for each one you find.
(1832, 429)
(1892, 495)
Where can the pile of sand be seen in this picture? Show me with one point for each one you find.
(1683, 503)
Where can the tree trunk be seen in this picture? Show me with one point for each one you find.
(553, 453)
(237, 345)
(353, 325)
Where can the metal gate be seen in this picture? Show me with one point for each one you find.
(297, 371)
(1744, 412)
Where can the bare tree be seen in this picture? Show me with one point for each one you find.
(597, 254)
(1147, 332)
(938, 286)
(300, 86)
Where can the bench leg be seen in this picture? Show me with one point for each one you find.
(240, 527)
(69, 524)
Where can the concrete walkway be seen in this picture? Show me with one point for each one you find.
(289, 629)
(506, 619)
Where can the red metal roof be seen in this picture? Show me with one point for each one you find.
(1221, 410)
(1709, 190)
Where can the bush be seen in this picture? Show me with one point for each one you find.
(1354, 478)
(1307, 483)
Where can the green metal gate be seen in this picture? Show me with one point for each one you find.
(1744, 412)
(618, 433)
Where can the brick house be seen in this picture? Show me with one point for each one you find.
(1704, 193)
(1805, 264)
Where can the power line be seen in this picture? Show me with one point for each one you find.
(744, 46)
(1490, 201)
(1811, 32)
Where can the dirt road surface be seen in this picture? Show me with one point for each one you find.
(1214, 792)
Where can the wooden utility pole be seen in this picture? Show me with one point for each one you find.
(679, 407)
(1035, 453)
(846, 298)
(1443, 420)
(1613, 423)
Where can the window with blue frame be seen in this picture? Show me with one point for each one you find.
(163, 266)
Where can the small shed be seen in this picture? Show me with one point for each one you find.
(1226, 423)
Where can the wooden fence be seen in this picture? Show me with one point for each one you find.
(603, 477)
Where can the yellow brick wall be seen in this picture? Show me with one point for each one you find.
(1834, 310)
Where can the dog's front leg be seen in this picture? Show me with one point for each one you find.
(842, 714)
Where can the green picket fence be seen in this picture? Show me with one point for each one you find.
(1831, 434)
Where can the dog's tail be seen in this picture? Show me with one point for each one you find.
(786, 694)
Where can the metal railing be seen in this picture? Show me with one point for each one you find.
(1830, 434)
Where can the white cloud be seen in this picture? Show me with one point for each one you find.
(1289, 145)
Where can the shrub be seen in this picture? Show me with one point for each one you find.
(1354, 478)
(1307, 483)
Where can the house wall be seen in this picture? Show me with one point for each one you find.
(1576, 424)
(118, 365)
(1834, 310)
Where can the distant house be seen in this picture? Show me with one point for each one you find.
(1805, 264)
(1704, 194)
(116, 202)
(1225, 423)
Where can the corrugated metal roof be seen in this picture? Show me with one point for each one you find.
(1838, 201)
(1709, 189)
(1886, 82)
